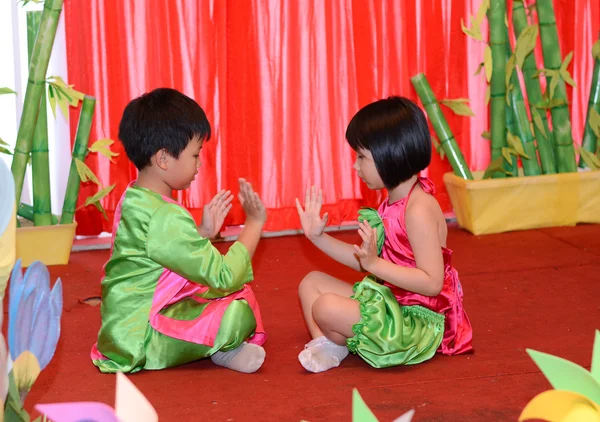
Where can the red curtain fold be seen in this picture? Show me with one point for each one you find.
(280, 79)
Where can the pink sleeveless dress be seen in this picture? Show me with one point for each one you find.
(400, 327)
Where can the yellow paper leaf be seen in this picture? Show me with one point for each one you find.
(594, 122)
(5, 90)
(506, 154)
(438, 147)
(558, 405)
(510, 67)
(590, 159)
(98, 195)
(25, 370)
(481, 12)
(64, 107)
(596, 50)
(487, 62)
(486, 135)
(459, 106)
(516, 144)
(496, 166)
(553, 83)
(525, 44)
(478, 69)
(566, 61)
(85, 173)
(102, 147)
(488, 95)
(537, 119)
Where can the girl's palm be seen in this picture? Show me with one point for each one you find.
(310, 217)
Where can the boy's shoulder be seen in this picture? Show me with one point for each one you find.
(143, 203)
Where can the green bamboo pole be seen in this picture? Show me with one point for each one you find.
(589, 138)
(531, 166)
(440, 125)
(561, 121)
(497, 87)
(27, 212)
(35, 87)
(543, 136)
(42, 204)
(80, 151)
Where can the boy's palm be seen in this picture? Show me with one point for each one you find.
(310, 217)
(251, 202)
(214, 214)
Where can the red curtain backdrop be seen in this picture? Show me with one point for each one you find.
(280, 79)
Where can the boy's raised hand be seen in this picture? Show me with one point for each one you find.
(310, 217)
(252, 204)
(214, 214)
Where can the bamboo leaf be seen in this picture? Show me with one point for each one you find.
(85, 174)
(506, 19)
(553, 83)
(52, 99)
(486, 135)
(506, 152)
(478, 69)
(459, 106)
(596, 50)
(496, 166)
(64, 107)
(96, 198)
(516, 145)
(438, 147)
(102, 147)
(481, 12)
(510, 67)
(3, 143)
(5, 151)
(474, 33)
(525, 44)
(566, 61)
(5, 90)
(539, 123)
(591, 160)
(488, 95)
(567, 78)
(551, 104)
(487, 62)
(594, 122)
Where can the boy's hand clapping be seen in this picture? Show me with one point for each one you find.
(214, 214)
(252, 204)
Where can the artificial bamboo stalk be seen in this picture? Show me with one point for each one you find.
(541, 129)
(440, 125)
(589, 138)
(531, 166)
(80, 151)
(26, 211)
(497, 87)
(42, 205)
(35, 87)
(561, 121)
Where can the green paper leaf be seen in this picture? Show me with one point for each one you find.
(553, 83)
(516, 145)
(52, 100)
(596, 50)
(566, 61)
(525, 44)
(594, 122)
(102, 147)
(589, 159)
(510, 67)
(551, 104)
(506, 152)
(438, 147)
(5, 90)
(459, 106)
(85, 174)
(487, 62)
(486, 135)
(360, 411)
(3, 143)
(506, 19)
(537, 119)
(595, 370)
(5, 151)
(496, 166)
(565, 375)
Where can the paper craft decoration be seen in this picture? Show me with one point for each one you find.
(576, 396)
(130, 406)
(362, 413)
(7, 225)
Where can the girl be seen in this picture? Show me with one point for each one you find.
(168, 296)
(410, 305)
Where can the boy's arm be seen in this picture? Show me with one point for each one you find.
(173, 241)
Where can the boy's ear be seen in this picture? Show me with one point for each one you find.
(161, 158)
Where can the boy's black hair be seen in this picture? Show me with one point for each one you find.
(395, 131)
(163, 118)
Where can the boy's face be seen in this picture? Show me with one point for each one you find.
(180, 172)
(365, 167)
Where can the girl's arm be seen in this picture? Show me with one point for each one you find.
(313, 225)
(423, 234)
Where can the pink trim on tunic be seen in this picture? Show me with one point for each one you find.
(171, 288)
(396, 248)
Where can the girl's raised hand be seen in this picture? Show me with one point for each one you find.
(367, 252)
(310, 217)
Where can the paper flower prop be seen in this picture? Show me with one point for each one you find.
(8, 225)
(34, 313)
(576, 396)
(362, 413)
(130, 406)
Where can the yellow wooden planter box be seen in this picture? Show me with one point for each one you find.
(521, 203)
(49, 244)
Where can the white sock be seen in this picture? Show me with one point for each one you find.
(246, 358)
(321, 354)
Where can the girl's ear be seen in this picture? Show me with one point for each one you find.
(161, 158)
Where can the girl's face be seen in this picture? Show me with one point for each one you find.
(183, 170)
(365, 167)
